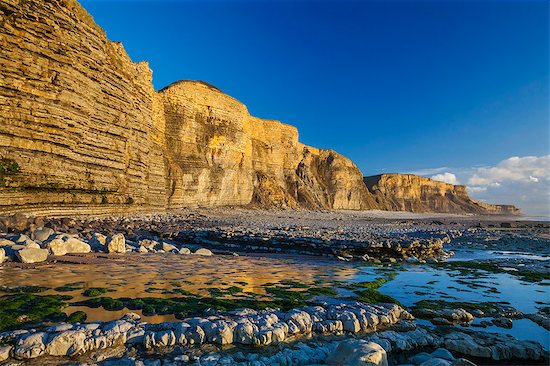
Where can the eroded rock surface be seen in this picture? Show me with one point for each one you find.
(409, 192)
(83, 130)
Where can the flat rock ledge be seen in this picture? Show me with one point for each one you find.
(371, 349)
(369, 323)
(247, 327)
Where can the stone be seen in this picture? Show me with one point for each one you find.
(148, 244)
(26, 241)
(6, 243)
(142, 249)
(457, 315)
(184, 251)
(441, 321)
(98, 241)
(68, 343)
(2, 255)
(31, 346)
(64, 244)
(168, 247)
(443, 353)
(41, 234)
(436, 362)
(465, 344)
(32, 255)
(116, 244)
(358, 352)
(503, 322)
(5, 352)
(204, 252)
(420, 358)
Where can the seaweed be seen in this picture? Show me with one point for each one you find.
(19, 309)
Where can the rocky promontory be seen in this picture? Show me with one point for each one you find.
(409, 192)
(82, 130)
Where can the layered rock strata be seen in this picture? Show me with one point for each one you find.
(246, 327)
(81, 127)
(83, 130)
(409, 192)
(249, 327)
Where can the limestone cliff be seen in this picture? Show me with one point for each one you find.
(83, 130)
(75, 113)
(218, 154)
(408, 192)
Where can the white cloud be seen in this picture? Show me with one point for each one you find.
(516, 169)
(446, 177)
(521, 181)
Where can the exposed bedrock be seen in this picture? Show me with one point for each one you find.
(268, 327)
(82, 130)
(409, 192)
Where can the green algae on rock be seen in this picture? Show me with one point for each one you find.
(95, 291)
(18, 310)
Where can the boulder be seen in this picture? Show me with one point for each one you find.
(57, 247)
(64, 244)
(31, 346)
(148, 243)
(5, 352)
(358, 352)
(465, 344)
(436, 362)
(68, 343)
(17, 222)
(32, 255)
(204, 251)
(168, 247)
(2, 255)
(97, 242)
(41, 234)
(184, 251)
(503, 322)
(420, 358)
(116, 244)
(6, 243)
(457, 315)
(443, 353)
(26, 241)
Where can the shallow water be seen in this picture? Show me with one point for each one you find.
(157, 275)
(466, 255)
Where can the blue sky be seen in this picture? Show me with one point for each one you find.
(397, 86)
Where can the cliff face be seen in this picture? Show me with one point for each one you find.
(75, 113)
(408, 192)
(83, 130)
(217, 154)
